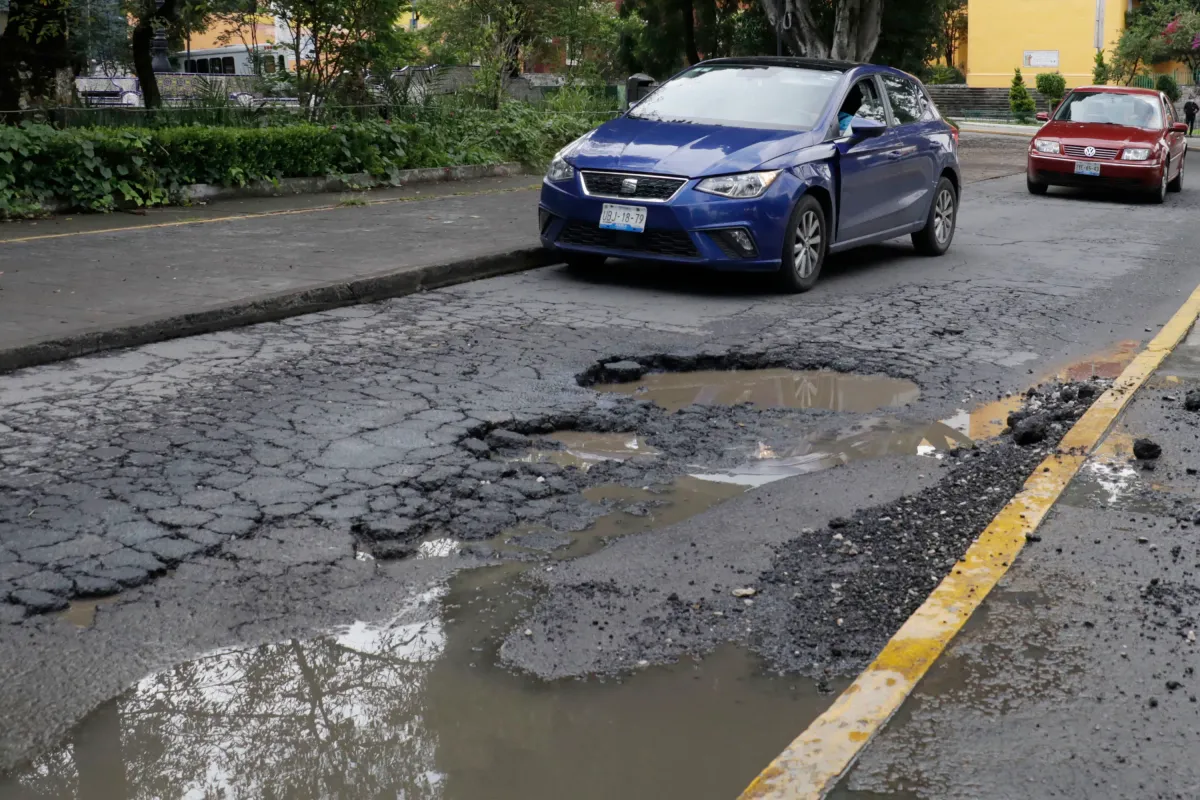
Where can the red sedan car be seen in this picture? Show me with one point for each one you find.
(1111, 137)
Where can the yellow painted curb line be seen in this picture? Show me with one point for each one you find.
(261, 214)
(819, 757)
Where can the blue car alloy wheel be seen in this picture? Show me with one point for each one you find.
(757, 165)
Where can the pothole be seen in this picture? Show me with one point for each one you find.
(415, 707)
(584, 450)
(82, 613)
(769, 388)
(630, 509)
(870, 440)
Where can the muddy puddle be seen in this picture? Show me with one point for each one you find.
(1112, 479)
(584, 450)
(414, 708)
(872, 439)
(631, 509)
(770, 388)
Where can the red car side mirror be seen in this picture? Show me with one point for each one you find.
(1179, 127)
(1042, 116)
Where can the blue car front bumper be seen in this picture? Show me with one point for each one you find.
(690, 228)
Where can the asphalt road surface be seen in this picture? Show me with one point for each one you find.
(358, 553)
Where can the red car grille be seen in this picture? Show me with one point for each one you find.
(1079, 151)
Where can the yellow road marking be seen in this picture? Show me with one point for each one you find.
(813, 763)
(258, 215)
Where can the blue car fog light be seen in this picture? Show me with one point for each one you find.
(735, 242)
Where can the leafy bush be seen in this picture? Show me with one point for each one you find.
(101, 168)
(1169, 86)
(1053, 86)
(1100, 71)
(941, 74)
(1019, 99)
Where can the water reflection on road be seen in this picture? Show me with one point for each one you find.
(414, 709)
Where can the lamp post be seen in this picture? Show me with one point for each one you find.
(158, 48)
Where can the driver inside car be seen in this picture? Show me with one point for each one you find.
(849, 110)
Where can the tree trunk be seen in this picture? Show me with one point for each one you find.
(804, 37)
(856, 28)
(870, 23)
(142, 41)
(688, 13)
(845, 28)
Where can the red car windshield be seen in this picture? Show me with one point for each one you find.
(1112, 108)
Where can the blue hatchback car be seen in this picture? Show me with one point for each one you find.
(762, 164)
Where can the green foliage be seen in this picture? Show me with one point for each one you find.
(1052, 86)
(1169, 86)
(100, 169)
(579, 98)
(942, 74)
(1100, 70)
(1019, 99)
(335, 43)
(653, 41)
(910, 37)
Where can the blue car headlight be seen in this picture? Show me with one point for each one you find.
(744, 186)
(560, 170)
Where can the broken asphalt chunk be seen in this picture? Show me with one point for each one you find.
(1145, 449)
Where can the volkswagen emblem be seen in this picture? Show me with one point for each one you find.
(1089, 151)
(629, 186)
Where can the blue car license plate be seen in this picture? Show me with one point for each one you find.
(1087, 168)
(615, 217)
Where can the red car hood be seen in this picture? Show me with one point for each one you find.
(1095, 133)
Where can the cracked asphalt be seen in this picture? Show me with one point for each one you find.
(270, 482)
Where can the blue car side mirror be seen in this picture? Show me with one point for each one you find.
(866, 128)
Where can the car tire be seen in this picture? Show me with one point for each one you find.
(584, 263)
(1036, 188)
(935, 238)
(1176, 185)
(1159, 196)
(804, 247)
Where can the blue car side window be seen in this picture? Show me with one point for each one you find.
(862, 102)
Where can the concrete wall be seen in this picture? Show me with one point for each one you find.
(1000, 31)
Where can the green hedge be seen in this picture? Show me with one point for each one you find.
(101, 168)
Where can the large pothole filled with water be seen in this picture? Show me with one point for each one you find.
(414, 707)
(769, 388)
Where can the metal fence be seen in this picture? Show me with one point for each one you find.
(1182, 76)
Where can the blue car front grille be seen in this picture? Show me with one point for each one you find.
(659, 243)
(647, 187)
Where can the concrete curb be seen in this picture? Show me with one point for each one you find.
(272, 307)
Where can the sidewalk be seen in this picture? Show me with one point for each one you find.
(1077, 677)
(78, 284)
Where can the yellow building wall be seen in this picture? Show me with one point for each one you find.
(211, 37)
(1000, 31)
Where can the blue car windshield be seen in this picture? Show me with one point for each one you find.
(742, 96)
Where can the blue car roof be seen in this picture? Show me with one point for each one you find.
(788, 61)
(827, 64)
